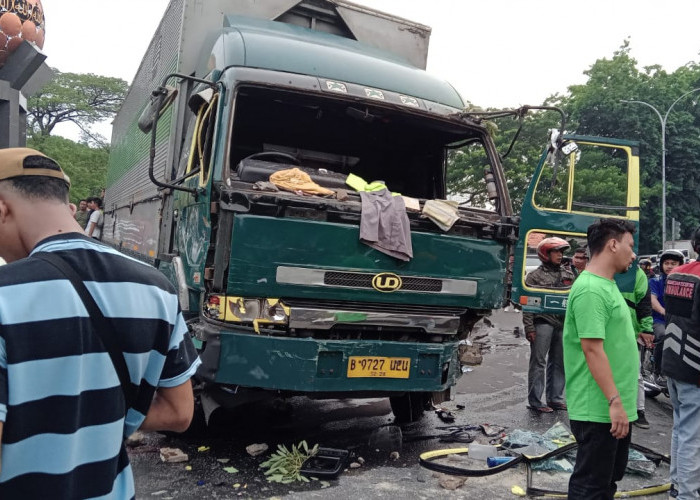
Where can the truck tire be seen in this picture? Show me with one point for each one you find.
(409, 407)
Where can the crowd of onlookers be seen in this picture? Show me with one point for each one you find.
(582, 360)
(90, 216)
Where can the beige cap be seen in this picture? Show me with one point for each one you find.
(23, 162)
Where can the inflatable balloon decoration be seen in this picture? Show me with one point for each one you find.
(20, 20)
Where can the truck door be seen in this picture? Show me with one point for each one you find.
(577, 182)
(193, 226)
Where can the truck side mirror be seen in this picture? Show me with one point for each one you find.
(161, 98)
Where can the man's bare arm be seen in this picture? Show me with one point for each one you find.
(656, 305)
(599, 366)
(171, 410)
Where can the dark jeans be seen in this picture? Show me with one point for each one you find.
(600, 461)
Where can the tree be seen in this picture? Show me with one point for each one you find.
(86, 166)
(465, 171)
(597, 109)
(81, 99)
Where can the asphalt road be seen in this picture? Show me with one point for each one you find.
(493, 393)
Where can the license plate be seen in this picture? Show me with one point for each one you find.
(380, 367)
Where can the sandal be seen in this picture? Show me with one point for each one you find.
(541, 409)
(557, 406)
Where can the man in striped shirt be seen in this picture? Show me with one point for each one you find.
(62, 407)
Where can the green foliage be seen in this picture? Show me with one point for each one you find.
(86, 166)
(82, 99)
(595, 108)
(465, 166)
(465, 175)
(284, 466)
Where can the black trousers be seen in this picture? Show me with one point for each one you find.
(600, 461)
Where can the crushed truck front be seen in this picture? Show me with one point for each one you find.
(281, 293)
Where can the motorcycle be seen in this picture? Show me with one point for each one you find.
(651, 387)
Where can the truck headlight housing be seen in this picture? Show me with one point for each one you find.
(257, 311)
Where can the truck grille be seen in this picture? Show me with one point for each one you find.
(292, 275)
(362, 280)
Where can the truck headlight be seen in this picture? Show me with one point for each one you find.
(246, 310)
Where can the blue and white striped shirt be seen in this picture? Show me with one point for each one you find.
(60, 398)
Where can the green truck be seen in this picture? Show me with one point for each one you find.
(281, 296)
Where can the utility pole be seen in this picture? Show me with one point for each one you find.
(663, 120)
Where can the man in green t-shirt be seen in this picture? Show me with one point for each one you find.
(601, 363)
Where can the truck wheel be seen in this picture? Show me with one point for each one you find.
(410, 406)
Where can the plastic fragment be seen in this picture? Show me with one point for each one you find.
(136, 439)
(230, 470)
(188, 467)
(173, 455)
(203, 449)
(517, 490)
(256, 449)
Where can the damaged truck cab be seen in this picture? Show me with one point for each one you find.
(281, 295)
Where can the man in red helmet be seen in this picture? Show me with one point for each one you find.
(544, 331)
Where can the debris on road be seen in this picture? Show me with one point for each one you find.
(173, 455)
(286, 466)
(256, 449)
(470, 355)
(327, 462)
(355, 465)
(386, 438)
(394, 455)
(445, 415)
(451, 482)
(491, 430)
(136, 439)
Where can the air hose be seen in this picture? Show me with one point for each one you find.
(427, 460)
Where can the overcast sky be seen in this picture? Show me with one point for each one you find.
(497, 53)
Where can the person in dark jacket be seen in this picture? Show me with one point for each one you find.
(681, 366)
(668, 261)
(544, 331)
(646, 266)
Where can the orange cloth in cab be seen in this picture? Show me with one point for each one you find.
(293, 179)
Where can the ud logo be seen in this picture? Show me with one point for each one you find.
(386, 282)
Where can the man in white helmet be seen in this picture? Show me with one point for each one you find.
(668, 261)
(544, 331)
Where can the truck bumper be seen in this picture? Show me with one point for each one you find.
(311, 365)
